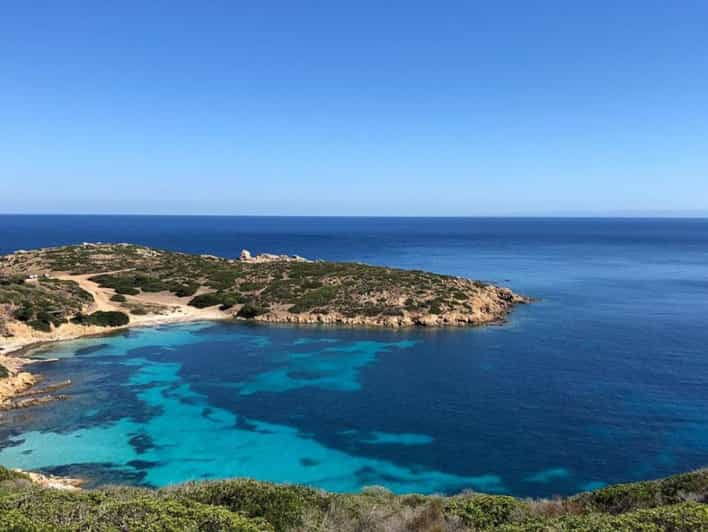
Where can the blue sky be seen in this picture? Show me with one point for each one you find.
(357, 108)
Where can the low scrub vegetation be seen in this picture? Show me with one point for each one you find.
(249, 311)
(210, 299)
(103, 319)
(346, 289)
(673, 504)
(42, 303)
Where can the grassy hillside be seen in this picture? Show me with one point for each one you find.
(677, 503)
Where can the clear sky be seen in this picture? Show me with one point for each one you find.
(354, 107)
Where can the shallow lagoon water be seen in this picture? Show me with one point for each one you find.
(602, 380)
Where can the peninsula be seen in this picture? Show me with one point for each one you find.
(73, 291)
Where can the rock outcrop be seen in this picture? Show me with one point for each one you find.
(270, 257)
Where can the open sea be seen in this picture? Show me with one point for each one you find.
(604, 379)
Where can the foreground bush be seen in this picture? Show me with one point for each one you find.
(31, 508)
(624, 497)
(673, 504)
(9, 474)
(281, 505)
(150, 513)
(486, 511)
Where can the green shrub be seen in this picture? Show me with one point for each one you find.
(129, 284)
(14, 521)
(248, 286)
(223, 280)
(55, 318)
(148, 284)
(24, 313)
(206, 300)
(685, 517)
(118, 298)
(228, 301)
(103, 319)
(314, 298)
(485, 511)
(623, 497)
(186, 290)
(4, 372)
(40, 325)
(281, 505)
(247, 505)
(32, 509)
(127, 290)
(249, 311)
(9, 474)
(12, 279)
(436, 306)
(149, 513)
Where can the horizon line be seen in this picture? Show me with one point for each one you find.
(638, 216)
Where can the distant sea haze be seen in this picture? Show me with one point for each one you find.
(602, 380)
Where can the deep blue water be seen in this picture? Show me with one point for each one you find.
(604, 379)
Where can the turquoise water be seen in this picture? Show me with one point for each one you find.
(186, 437)
(603, 380)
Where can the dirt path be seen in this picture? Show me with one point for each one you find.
(171, 307)
(101, 296)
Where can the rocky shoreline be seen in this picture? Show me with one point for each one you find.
(500, 302)
(44, 480)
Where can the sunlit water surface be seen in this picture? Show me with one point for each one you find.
(603, 380)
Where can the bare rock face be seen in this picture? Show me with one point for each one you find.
(54, 482)
(13, 385)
